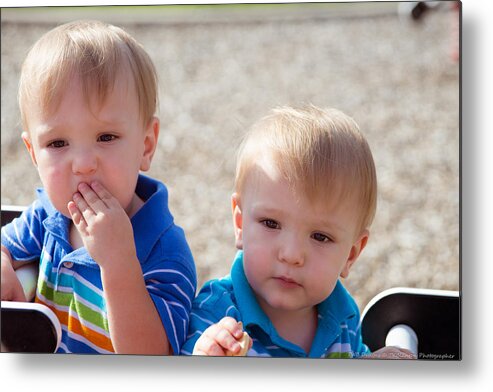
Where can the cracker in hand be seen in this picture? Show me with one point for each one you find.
(244, 343)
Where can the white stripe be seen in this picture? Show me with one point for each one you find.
(174, 303)
(63, 347)
(80, 299)
(340, 348)
(89, 324)
(171, 272)
(19, 242)
(336, 347)
(232, 307)
(197, 332)
(172, 323)
(207, 321)
(88, 284)
(45, 255)
(254, 353)
(13, 243)
(151, 288)
(30, 231)
(178, 288)
(42, 277)
(82, 339)
(210, 295)
(75, 315)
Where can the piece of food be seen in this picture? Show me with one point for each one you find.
(244, 342)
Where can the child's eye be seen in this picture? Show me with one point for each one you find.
(57, 144)
(269, 223)
(320, 237)
(106, 138)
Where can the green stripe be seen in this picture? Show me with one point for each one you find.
(337, 355)
(68, 300)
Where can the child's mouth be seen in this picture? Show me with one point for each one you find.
(287, 282)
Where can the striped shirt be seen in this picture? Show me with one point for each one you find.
(337, 336)
(69, 281)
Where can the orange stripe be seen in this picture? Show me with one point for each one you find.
(76, 327)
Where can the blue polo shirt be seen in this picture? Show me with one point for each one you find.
(337, 335)
(69, 280)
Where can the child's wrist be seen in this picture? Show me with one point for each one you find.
(120, 266)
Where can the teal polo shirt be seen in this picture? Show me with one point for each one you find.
(337, 336)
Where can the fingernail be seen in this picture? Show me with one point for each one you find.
(235, 347)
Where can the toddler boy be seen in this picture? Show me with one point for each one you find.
(113, 266)
(305, 196)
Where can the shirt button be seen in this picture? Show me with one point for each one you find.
(69, 264)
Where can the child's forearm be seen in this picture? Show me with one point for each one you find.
(7, 260)
(11, 288)
(134, 322)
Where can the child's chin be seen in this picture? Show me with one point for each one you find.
(285, 305)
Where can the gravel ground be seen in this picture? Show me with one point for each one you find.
(217, 77)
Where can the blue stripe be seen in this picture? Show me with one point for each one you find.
(71, 281)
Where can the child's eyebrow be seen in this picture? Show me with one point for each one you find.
(45, 130)
(325, 224)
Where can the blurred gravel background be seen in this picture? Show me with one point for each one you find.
(221, 68)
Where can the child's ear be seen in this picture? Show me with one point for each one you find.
(150, 143)
(27, 142)
(237, 220)
(356, 250)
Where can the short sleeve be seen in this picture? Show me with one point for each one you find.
(172, 288)
(23, 237)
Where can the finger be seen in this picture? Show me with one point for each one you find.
(227, 341)
(104, 194)
(223, 336)
(233, 326)
(91, 198)
(84, 208)
(75, 214)
(208, 346)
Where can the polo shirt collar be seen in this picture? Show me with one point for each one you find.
(251, 312)
(336, 308)
(148, 223)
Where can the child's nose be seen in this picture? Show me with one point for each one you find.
(291, 250)
(84, 162)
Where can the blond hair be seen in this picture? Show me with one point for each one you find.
(93, 51)
(321, 153)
